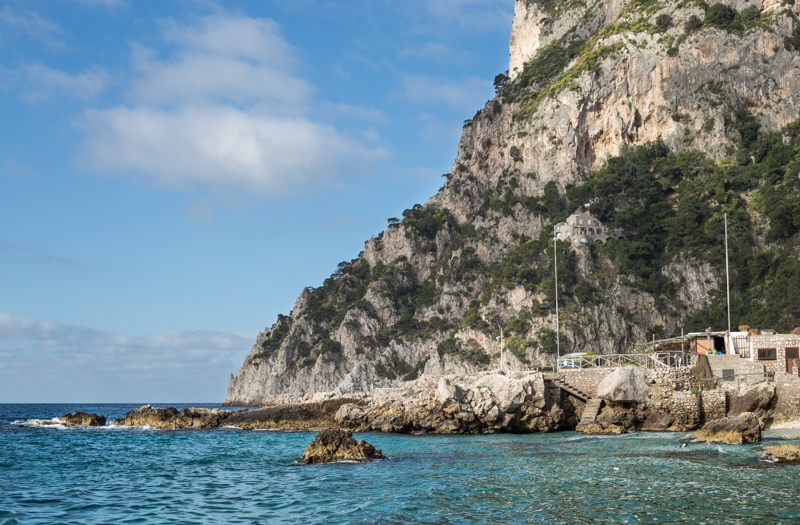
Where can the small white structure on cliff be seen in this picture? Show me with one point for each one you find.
(582, 227)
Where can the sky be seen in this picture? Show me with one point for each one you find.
(173, 174)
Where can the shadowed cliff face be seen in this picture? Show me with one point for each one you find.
(586, 81)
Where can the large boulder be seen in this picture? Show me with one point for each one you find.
(783, 453)
(737, 430)
(334, 445)
(172, 418)
(626, 384)
(756, 398)
(82, 419)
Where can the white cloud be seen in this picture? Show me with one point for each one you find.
(224, 110)
(48, 83)
(219, 146)
(464, 95)
(51, 361)
(31, 25)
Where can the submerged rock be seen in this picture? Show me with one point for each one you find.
(83, 419)
(172, 418)
(334, 445)
(738, 430)
(594, 429)
(783, 453)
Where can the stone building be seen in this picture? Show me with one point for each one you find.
(777, 352)
(581, 227)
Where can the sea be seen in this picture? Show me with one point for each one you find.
(50, 474)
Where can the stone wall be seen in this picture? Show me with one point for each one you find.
(787, 389)
(713, 405)
(586, 380)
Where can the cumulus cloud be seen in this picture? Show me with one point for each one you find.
(47, 83)
(463, 95)
(224, 110)
(219, 146)
(51, 361)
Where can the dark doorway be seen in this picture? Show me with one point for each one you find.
(791, 355)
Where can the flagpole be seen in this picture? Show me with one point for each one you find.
(558, 339)
(727, 274)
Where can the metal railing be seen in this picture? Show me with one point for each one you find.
(649, 360)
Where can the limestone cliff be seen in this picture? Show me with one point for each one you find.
(587, 82)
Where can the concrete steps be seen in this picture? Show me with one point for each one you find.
(590, 412)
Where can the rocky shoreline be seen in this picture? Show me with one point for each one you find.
(629, 399)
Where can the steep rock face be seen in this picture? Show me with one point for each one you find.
(426, 297)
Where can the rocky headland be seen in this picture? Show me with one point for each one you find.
(657, 117)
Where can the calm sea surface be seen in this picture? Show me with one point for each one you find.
(120, 475)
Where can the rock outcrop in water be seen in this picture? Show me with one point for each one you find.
(735, 430)
(170, 418)
(587, 82)
(784, 453)
(82, 419)
(293, 415)
(335, 445)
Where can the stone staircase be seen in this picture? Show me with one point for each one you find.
(563, 385)
(589, 413)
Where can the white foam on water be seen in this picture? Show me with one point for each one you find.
(40, 423)
(787, 425)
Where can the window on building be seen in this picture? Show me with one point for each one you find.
(580, 221)
(766, 354)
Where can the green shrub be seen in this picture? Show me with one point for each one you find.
(792, 43)
(722, 17)
(664, 21)
(692, 24)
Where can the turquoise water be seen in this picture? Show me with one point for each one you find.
(113, 475)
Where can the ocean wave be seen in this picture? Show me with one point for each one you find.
(40, 423)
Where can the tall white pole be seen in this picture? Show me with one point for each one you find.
(501, 348)
(727, 275)
(558, 338)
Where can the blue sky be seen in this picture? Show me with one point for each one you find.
(172, 174)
